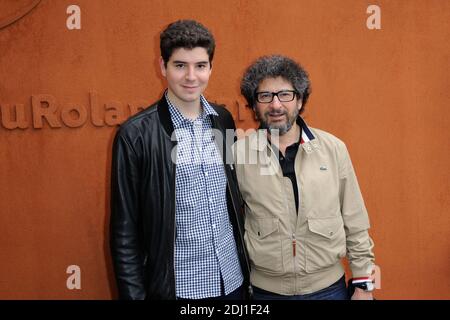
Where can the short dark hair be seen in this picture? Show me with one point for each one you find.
(187, 34)
(272, 67)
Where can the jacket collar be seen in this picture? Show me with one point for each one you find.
(308, 141)
(164, 116)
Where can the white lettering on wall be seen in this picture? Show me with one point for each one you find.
(74, 20)
(374, 20)
(74, 280)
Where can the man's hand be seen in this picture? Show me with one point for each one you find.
(360, 294)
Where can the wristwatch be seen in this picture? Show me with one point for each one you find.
(366, 286)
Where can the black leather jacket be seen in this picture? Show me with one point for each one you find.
(143, 204)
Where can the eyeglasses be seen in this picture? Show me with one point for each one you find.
(283, 96)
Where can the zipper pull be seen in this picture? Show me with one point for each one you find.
(294, 246)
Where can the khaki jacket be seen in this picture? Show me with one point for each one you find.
(292, 253)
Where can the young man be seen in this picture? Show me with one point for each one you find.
(176, 230)
(304, 209)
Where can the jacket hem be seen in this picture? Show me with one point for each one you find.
(297, 284)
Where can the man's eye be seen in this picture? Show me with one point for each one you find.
(179, 65)
(202, 66)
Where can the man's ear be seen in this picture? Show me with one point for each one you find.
(299, 105)
(162, 66)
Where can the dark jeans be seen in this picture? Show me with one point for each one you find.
(337, 291)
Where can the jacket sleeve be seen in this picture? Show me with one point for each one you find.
(126, 250)
(356, 220)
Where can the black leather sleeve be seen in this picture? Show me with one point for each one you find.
(126, 249)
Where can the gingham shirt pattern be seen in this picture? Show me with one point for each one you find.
(205, 247)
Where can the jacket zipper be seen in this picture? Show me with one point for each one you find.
(294, 246)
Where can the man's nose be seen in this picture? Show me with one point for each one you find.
(276, 104)
(190, 73)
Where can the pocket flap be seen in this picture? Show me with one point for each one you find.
(326, 227)
(264, 227)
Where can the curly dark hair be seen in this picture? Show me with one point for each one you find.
(186, 34)
(272, 67)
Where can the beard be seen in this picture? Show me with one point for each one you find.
(277, 128)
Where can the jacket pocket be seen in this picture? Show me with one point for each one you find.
(325, 243)
(264, 246)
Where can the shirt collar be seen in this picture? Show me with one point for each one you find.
(178, 118)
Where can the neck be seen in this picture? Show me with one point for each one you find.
(189, 109)
(285, 140)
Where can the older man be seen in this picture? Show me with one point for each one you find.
(304, 210)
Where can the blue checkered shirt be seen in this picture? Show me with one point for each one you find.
(205, 248)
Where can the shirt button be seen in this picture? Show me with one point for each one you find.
(217, 252)
(210, 200)
(214, 225)
(206, 174)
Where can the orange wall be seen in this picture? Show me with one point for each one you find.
(384, 92)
